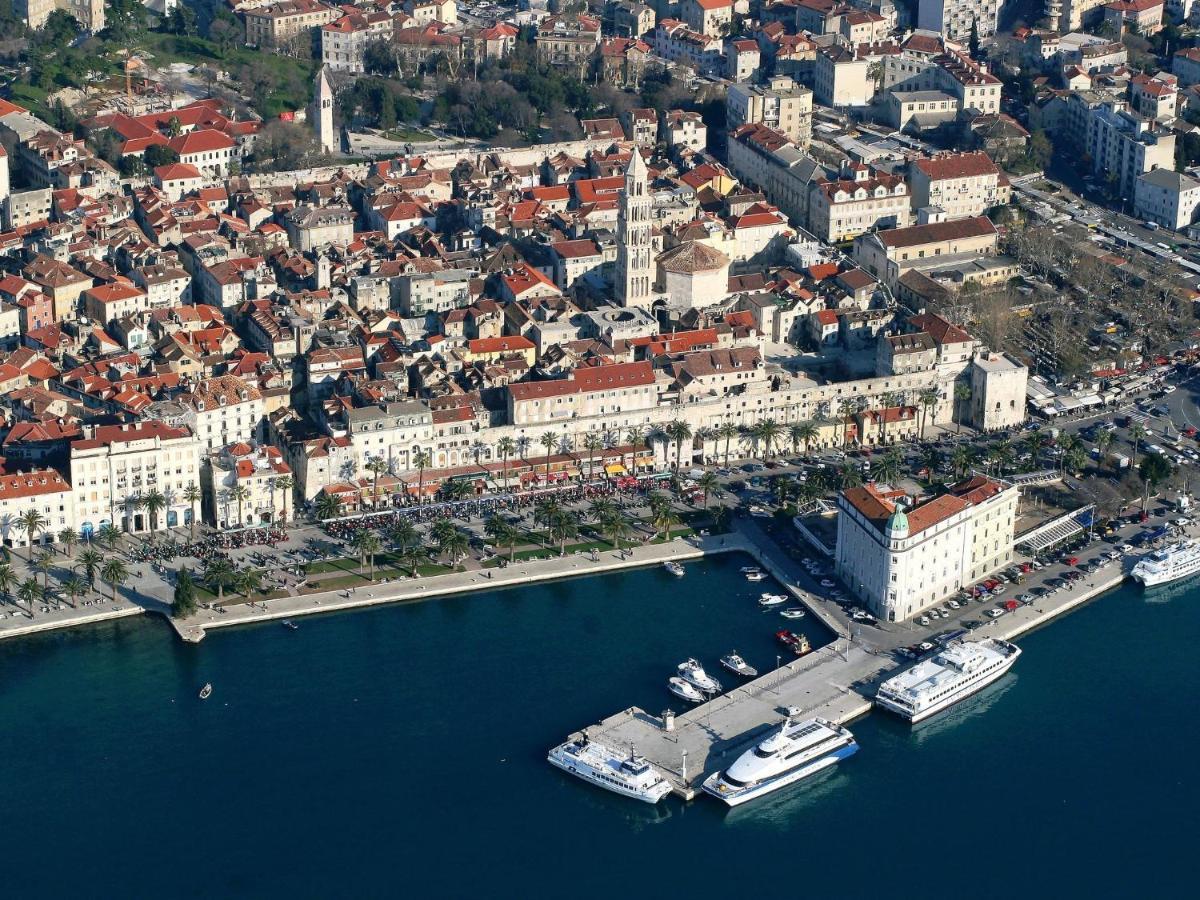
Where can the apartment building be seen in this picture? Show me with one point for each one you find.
(345, 40)
(567, 41)
(860, 199)
(43, 490)
(1123, 145)
(1167, 197)
(781, 105)
(225, 410)
(711, 17)
(239, 483)
(282, 22)
(113, 465)
(955, 18)
(959, 184)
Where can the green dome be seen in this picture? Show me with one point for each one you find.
(897, 521)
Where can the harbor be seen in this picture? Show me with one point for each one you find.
(836, 682)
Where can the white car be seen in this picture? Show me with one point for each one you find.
(953, 604)
(1126, 548)
(1181, 521)
(994, 613)
(1169, 389)
(923, 621)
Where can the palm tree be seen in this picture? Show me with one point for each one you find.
(678, 431)
(7, 579)
(960, 459)
(1067, 443)
(548, 440)
(73, 586)
(31, 592)
(377, 466)
(411, 558)
(962, 393)
(69, 538)
(591, 443)
(239, 493)
(505, 447)
(664, 519)
(31, 522)
(366, 543)
(727, 431)
(1104, 440)
(192, 495)
(154, 502)
(710, 484)
(601, 509)
(1075, 459)
(285, 484)
(108, 536)
(116, 574)
(44, 563)
(615, 528)
(565, 525)
(928, 399)
(328, 506)
(90, 561)
(247, 581)
(849, 475)
(403, 534)
(503, 532)
(1137, 433)
(768, 431)
(887, 468)
(218, 575)
(545, 512)
(453, 544)
(421, 459)
(802, 433)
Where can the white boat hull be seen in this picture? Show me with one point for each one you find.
(958, 696)
(712, 783)
(572, 769)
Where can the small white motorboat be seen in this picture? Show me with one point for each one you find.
(792, 612)
(738, 666)
(746, 570)
(693, 673)
(772, 599)
(756, 576)
(206, 691)
(682, 689)
(674, 568)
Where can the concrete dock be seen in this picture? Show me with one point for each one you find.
(835, 682)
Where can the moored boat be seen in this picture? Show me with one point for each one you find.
(772, 599)
(793, 612)
(756, 575)
(959, 670)
(692, 672)
(206, 691)
(734, 663)
(1173, 563)
(673, 567)
(792, 752)
(630, 776)
(684, 690)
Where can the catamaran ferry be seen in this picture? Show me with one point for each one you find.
(792, 752)
(630, 776)
(954, 674)
(1172, 563)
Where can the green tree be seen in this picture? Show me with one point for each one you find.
(376, 466)
(74, 586)
(664, 520)
(8, 578)
(366, 543)
(108, 536)
(962, 393)
(30, 592)
(615, 529)
(678, 431)
(1153, 470)
(248, 581)
(505, 447)
(592, 443)
(727, 431)
(548, 440)
(116, 573)
(90, 561)
(157, 155)
(285, 484)
(328, 506)
(239, 494)
(184, 602)
(154, 502)
(192, 495)
(709, 483)
(218, 575)
(503, 533)
(43, 563)
(421, 459)
(68, 538)
(32, 522)
(453, 545)
(563, 527)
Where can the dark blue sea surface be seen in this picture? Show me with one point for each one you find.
(400, 751)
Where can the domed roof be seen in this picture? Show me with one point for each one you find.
(897, 522)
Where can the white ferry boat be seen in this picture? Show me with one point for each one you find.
(1172, 563)
(954, 674)
(792, 752)
(630, 776)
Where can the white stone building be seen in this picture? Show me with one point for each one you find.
(901, 558)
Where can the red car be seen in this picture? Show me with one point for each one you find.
(1072, 560)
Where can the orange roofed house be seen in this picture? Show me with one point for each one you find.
(902, 555)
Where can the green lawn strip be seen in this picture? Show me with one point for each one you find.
(409, 135)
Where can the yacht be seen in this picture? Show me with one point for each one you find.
(1172, 563)
(953, 674)
(630, 776)
(673, 567)
(206, 691)
(756, 575)
(791, 753)
(684, 690)
(693, 673)
(772, 599)
(738, 666)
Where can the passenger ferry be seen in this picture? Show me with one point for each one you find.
(1180, 560)
(629, 776)
(791, 753)
(947, 677)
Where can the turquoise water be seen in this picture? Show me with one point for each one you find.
(400, 751)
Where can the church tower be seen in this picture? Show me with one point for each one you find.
(635, 250)
(322, 113)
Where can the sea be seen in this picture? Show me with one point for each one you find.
(400, 752)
